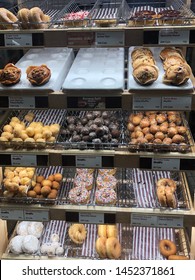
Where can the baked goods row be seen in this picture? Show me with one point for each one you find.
(93, 69)
(60, 129)
(100, 14)
(120, 241)
(106, 187)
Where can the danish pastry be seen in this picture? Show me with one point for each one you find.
(10, 75)
(38, 75)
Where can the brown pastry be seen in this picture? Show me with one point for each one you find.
(139, 52)
(169, 17)
(10, 75)
(38, 75)
(145, 74)
(168, 51)
(172, 60)
(146, 60)
(177, 74)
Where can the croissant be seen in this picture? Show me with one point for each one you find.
(38, 75)
(145, 74)
(10, 75)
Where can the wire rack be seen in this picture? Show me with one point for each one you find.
(181, 14)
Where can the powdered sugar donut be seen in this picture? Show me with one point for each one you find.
(59, 251)
(30, 244)
(35, 228)
(54, 237)
(15, 245)
(22, 228)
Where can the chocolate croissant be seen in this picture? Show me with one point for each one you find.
(38, 75)
(10, 75)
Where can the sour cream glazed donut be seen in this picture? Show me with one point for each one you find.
(7, 18)
(166, 182)
(77, 233)
(167, 247)
(38, 19)
(23, 16)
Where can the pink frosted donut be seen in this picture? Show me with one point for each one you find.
(78, 195)
(84, 181)
(106, 181)
(105, 196)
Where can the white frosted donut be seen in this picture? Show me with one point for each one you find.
(15, 245)
(59, 251)
(30, 244)
(35, 228)
(22, 228)
(54, 237)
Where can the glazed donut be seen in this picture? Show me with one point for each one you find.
(8, 18)
(167, 247)
(166, 182)
(112, 231)
(78, 195)
(106, 181)
(38, 19)
(170, 198)
(177, 257)
(105, 196)
(162, 196)
(23, 16)
(113, 248)
(100, 246)
(77, 233)
(102, 230)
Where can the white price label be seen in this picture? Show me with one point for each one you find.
(143, 220)
(11, 214)
(91, 218)
(24, 160)
(88, 161)
(18, 40)
(167, 221)
(36, 215)
(173, 37)
(166, 164)
(107, 38)
(22, 102)
(146, 103)
(178, 103)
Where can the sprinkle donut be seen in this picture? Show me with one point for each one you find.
(167, 247)
(113, 248)
(78, 195)
(106, 181)
(8, 18)
(84, 181)
(105, 196)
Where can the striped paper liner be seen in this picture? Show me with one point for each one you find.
(105, 13)
(49, 171)
(146, 242)
(149, 8)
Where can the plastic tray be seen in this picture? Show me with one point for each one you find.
(94, 69)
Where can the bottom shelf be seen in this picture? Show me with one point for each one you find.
(137, 243)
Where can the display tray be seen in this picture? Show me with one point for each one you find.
(94, 70)
(58, 60)
(38, 197)
(46, 117)
(166, 12)
(184, 146)
(92, 130)
(158, 85)
(137, 243)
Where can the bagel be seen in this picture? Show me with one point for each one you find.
(167, 247)
(100, 246)
(38, 19)
(113, 248)
(23, 17)
(77, 233)
(177, 257)
(166, 182)
(7, 19)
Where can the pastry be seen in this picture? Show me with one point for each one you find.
(10, 75)
(145, 74)
(38, 75)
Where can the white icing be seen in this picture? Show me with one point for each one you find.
(44, 248)
(15, 245)
(35, 228)
(30, 244)
(54, 237)
(59, 251)
(51, 250)
(22, 228)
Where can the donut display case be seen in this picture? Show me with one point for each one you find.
(55, 242)
(100, 156)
